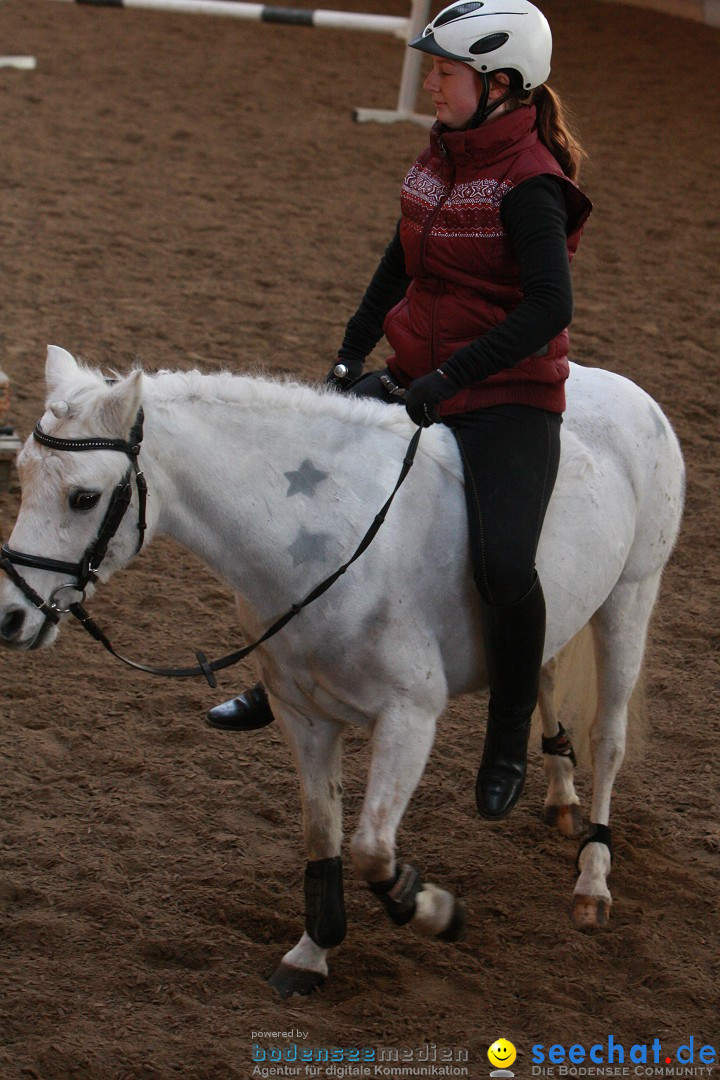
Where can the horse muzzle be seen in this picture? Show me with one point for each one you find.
(25, 629)
(32, 622)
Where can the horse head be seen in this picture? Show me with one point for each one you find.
(76, 475)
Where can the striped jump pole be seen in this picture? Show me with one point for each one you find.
(338, 20)
(231, 9)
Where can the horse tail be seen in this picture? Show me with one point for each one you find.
(577, 698)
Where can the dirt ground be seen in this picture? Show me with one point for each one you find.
(192, 192)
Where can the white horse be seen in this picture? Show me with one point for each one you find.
(273, 484)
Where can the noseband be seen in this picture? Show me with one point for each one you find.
(85, 571)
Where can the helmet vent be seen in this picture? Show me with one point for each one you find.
(456, 12)
(488, 44)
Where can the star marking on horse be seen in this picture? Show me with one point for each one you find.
(304, 480)
(309, 547)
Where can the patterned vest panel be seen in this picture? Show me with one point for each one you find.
(465, 279)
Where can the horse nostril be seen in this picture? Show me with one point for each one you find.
(11, 626)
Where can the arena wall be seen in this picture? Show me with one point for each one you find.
(706, 11)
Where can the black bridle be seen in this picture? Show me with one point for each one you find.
(85, 571)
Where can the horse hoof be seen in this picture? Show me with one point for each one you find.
(568, 819)
(457, 927)
(591, 912)
(287, 980)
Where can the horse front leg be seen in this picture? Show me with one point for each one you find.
(316, 747)
(620, 627)
(400, 751)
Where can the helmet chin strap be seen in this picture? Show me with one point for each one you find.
(484, 109)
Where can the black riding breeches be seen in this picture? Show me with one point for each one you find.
(510, 456)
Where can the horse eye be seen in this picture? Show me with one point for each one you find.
(84, 500)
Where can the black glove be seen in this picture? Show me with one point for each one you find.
(344, 382)
(425, 394)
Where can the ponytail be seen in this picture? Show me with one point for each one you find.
(555, 130)
(554, 127)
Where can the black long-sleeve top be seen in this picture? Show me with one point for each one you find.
(535, 219)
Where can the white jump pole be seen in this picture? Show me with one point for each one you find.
(22, 63)
(231, 9)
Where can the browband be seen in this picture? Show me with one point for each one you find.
(131, 447)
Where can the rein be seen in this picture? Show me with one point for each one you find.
(86, 570)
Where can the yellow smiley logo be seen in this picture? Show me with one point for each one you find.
(502, 1053)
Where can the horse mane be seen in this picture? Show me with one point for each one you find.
(261, 391)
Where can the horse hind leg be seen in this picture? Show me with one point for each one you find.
(620, 626)
(562, 805)
(399, 756)
(317, 751)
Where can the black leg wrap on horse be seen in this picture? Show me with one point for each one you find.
(325, 919)
(398, 893)
(598, 834)
(559, 745)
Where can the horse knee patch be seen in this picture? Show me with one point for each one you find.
(399, 893)
(325, 919)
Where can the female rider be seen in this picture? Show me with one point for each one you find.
(474, 296)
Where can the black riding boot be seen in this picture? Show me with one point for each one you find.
(247, 712)
(514, 640)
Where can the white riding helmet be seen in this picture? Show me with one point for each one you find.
(490, 35)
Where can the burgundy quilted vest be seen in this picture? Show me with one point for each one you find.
(465, 279)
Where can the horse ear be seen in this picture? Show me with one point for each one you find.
(119, 408)
(60, 368)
